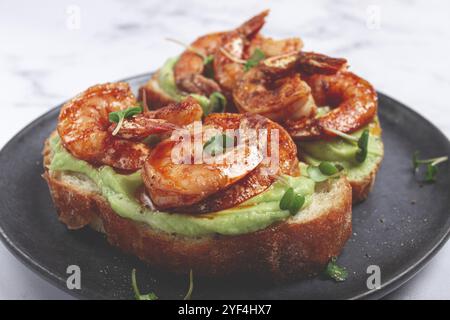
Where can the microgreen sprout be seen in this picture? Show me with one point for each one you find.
(292, 201)
(151, 295)
(188, 294)
(336, 272)
(217, 102)
(324, 171)
(254, 59)
(362, 142)
(218, 144)
(137, 293)
(119, 116)
(431, 173)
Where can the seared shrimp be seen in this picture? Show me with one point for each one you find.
(302, 62)
(188, 70)
(353, 99)
(194, 188)
(285, 98)
(272, 47)
(275, 88)
(234, 44)
(84, 121)
(171, 116)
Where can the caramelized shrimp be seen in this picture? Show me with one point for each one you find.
(234, 44)
(272, 47)
(354, 103)
(83, 126)
(239, 46)
(169, 117)
(194, 187)
(188, 70)
(301, 62)
(275, 88)
(278, 99)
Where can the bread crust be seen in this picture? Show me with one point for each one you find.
(362, 188)
(287, 250)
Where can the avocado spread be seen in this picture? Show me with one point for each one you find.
(118, 189)
(341, 151)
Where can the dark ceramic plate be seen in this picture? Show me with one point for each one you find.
(399, 228)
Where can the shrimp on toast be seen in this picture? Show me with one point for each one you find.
(189, 69)
(281, 86)
(85, 129)
(276, 89)
(194, 188)
(172, 116)
(239, 45)
(353, 100)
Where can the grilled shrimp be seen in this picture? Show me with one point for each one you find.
(188, 70)
(84, 127)
(234, 44)
(353, 99)
(272, 47)
(194, 188)
(172, 116)
(275, 88)
(228, 62)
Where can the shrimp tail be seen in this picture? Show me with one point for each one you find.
(304, 62)
(353, 101)
(311, 63)
(252, 26)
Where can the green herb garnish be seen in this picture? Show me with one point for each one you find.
(336, 272)
(255, 58)
(316, 175)
(324, 171)
(363, 143)
(208, 59)
(151, 295)
(217, 102)
(327, 168)
(137, 294)
(431, 173)
(208, 62)
(218, 144)
(287, 198)
(188, 294)
(292, 201)
(297, 204)
(119, 116)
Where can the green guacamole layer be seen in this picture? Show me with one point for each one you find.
(341, 151)
(166, 82)
(118, 189)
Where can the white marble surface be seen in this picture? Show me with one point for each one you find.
(45, 58)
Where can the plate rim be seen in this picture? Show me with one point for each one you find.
(386, 288)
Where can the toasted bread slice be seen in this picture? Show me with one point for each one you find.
(297, 247)
(362, 187)
(155, 96)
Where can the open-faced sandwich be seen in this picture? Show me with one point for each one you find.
(330, 112)
(241, 157)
